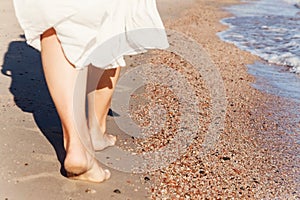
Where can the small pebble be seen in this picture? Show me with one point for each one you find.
(147, 178)
(117, 191)
(226, 158)
(90, 191)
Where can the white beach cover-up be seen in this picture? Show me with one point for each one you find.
(98, 32)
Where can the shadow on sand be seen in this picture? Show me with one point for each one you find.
(23, 64)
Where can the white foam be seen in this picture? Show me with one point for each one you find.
(266, 30)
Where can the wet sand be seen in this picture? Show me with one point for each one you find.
(254, 157)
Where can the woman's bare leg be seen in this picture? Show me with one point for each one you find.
(99, 100)
(61, 78)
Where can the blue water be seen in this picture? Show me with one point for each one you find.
(269, 29)
(276, 80)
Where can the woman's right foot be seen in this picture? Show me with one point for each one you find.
(94, 174)
(81, 165)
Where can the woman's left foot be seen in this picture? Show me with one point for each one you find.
(102, 141)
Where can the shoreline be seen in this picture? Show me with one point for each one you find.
(262, 156)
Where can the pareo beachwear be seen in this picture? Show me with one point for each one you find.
(97, 32)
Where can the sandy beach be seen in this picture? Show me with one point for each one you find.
(253, 158)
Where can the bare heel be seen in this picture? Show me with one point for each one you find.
(94, 174)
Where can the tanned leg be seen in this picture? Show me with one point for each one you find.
(61, 79)
(99, 100)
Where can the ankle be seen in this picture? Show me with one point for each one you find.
(96, 128)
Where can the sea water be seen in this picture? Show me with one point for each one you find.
(269, 29)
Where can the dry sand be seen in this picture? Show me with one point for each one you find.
(253, 159)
